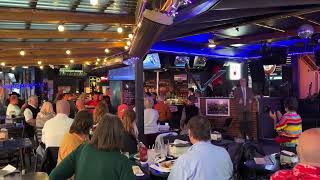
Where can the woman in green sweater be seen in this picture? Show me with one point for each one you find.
(100, 159)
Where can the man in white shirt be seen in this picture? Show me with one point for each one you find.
(30, 115)
(55, 128)
(203, 160)
(13, 108)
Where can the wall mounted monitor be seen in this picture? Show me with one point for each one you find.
(199, 61)
(152, 61)
(121, 74)
(181, 61)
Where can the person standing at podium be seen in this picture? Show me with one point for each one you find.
(244, 96)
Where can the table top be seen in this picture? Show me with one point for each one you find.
(12, 125)
(275, 166)
(13, 144)
(29, 176)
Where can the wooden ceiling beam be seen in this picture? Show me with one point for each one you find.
(45, 34)
(49, 52)
(51, 16)
(262, 37)
(59, 45)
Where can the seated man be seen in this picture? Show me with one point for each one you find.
(54, 129)
(309, 153)
(289, 127)
(203, 160)
(13, 108)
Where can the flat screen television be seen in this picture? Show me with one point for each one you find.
(121, 74)
(181, 61)
(199, 61)
(12, 77)
(152, 61)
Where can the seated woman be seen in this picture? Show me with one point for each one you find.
(131, 131)
(46, 113)
(78, 134)
(101, 158)
(100, 110)
(289, 126)
(151, 117)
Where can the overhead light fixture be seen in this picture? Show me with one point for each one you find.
(3, 64)
(71, 61)
(41, 67)
(126, 47)
(13, 68)
(98, 59)
(66, 66)
(39, 62)
(130, 36)
(25, 67)
(61, 28)
(87, 63)
(119, 30)
(128, 43)
(94, 2)
(22, 53)
(107, 50)
(97, 63)
(68, 52)
(211, 44)
(104, 60)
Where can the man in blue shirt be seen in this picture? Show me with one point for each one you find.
(203, 160)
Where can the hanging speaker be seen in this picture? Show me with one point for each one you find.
(149, 29)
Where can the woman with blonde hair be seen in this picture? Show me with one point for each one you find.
(131, 131)
(46, 113)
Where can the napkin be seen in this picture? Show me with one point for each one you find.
(178, 141)
(7, 170)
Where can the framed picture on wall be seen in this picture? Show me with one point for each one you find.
(218, 107)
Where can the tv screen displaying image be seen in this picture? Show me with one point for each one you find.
(120, 74)
(181, 61)
(199, 61)
(152, 61)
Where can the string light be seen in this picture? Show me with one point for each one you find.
(13, 68)
(97, 63)
(22, 53)
(130, 36)
(39, 62)
(41, 67)
(71, 61)
(104, 60)
(126, 47)
(60, 28)
(87, 63)
(98, 60)
(66, 66)
(119, 30)
(94, 2)
(3, 64)
(107, 50)
(68, 52)
(128, 43)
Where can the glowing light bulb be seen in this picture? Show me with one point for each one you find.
(39, 62)
(3, 64)
(130, 36)
(128, 43)
(126, 47)
(13, 68)
(119, 30)
(94, 2)
(68, 52)
(98, 60)
(71, 61)
(41, 67)
(107, 51)
(60, 28)
(66, 66)
(22, 53)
